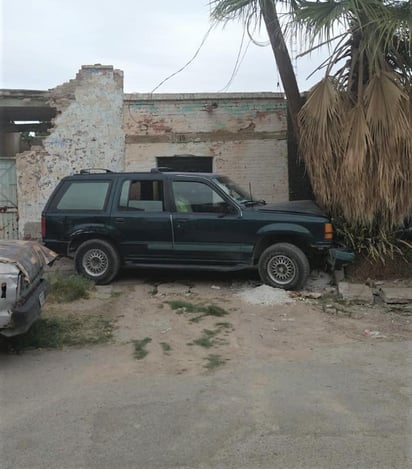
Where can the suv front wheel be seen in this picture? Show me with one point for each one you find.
(97, 260)
(284, 265)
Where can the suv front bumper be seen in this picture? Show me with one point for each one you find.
(339, 257)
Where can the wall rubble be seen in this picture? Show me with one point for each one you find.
(87, 133)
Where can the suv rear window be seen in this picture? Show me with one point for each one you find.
(86, 195)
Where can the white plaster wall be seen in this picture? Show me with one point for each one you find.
(263, 163)
(87, 133)
(244, 133)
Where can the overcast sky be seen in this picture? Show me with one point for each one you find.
(45, 42)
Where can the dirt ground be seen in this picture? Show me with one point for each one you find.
(260, 322)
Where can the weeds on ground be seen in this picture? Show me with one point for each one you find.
(224, 325)
(207, 339)
(140, 348)
(166, 347)
(68, 288)
(200, 309)
(55, 333)
(209, 336)
(214, 361)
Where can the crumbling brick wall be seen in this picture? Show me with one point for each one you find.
(244, 133)
(87, 133)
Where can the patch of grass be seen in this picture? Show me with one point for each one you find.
(214, 361)
(208, 339)
(58, 332)
(140, 348)
(224, 325)
(68, 288)
(213, 310)
(185, 306)
(200, 309)
(166, 347)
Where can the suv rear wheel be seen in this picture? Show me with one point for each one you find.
(97, 260)
(284, 265)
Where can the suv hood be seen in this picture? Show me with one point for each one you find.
(306, 207)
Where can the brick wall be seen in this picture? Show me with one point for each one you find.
(244, 133)
(97, 126)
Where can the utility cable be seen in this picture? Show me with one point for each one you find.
(187, 63)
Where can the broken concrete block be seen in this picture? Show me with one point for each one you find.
(355, 292)
(396, 295)
(339, 275)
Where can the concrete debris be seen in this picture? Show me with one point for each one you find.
(306, 294)
(396, 295)
(355, 292)
(265, 295)
(373, 334)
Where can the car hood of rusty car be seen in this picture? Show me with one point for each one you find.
(30, 257)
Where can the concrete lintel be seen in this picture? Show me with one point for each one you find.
(217, 136)
(201, 96)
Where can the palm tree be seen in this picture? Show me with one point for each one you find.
(356, 125)
(253, 11)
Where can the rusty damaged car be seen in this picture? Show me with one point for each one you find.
(23, 285)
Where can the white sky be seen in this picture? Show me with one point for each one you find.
(45, 42)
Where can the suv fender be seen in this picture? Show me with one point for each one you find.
(83, 233)
(289, 229)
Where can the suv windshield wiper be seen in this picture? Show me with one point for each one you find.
(251, 203)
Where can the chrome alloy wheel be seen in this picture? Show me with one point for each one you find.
(281, 269)
(95, 262)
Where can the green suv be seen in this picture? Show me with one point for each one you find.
(107, 220)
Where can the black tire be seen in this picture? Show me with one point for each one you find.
(284, 265)
(97, 260)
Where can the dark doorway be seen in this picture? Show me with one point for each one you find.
(190, 163)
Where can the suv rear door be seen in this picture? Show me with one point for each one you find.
(140, 219)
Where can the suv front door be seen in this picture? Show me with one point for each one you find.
(206, 224)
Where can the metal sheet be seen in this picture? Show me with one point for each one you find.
(9, 278)
(29, 256)
(8, 199)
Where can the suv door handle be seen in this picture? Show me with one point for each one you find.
(119, 220)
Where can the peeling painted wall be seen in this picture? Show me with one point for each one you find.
(87, 133)
(245, 133)
(96, 126)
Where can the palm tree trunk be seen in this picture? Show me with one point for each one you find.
(283, 61)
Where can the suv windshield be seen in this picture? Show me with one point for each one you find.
(236, 192)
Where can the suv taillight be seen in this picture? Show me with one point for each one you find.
(43, 226)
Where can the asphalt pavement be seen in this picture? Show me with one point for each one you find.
(341, 407)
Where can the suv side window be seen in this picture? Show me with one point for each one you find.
(145, 195)
(193, 196)
(84, 195)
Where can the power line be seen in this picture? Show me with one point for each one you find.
(238, 63)
(187, 63)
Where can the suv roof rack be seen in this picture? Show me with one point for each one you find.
(95, 170)
(160, 169)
